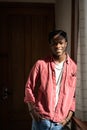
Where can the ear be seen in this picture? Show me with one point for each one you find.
(66, 44)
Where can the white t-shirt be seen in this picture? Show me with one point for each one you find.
(58, 72)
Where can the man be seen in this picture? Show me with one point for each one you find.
(54, 78)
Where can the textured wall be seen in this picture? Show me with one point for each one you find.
(81, 92)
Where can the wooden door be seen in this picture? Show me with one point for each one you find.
(4, 59)
(24, 32)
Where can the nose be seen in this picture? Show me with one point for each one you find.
(57, 44)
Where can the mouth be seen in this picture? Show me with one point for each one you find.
(58, 50)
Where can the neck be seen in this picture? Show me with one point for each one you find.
(59, 59)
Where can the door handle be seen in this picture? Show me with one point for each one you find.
(5, 93)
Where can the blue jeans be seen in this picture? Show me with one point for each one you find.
(45, 124)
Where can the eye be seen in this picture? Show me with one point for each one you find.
(61, 42)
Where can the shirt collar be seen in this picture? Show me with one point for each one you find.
(67, 58)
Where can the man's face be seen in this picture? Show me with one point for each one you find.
(58, 45)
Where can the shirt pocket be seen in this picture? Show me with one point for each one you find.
(72, 80)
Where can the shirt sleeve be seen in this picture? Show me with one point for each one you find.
(31, 83)
(73, 105)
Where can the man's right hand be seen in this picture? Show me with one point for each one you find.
(35, 115)
(34, 111)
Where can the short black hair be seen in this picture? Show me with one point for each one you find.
(55, 32)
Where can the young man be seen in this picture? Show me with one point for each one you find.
(54, 78)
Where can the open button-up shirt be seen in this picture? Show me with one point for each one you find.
(40, 89)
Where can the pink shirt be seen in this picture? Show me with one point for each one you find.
(43, 93)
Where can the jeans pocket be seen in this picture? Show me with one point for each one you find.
(44, 123)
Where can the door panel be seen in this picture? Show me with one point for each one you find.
(3, 71)
(23, 39)
(39, 37)
(16, 41)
